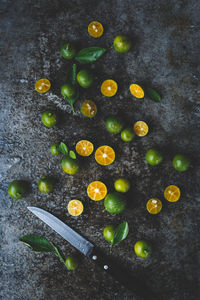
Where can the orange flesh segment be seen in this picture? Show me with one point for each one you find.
(154, 206)
(97, 190)
(75, 207)
(172, 193)
(95, 29)
(105, 155)
(84, 148)
(109, 88)
(136, 90)
(141, 128)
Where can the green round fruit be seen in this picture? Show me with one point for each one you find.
(115, 203)
(122, 185)
(142, 249)
(55, 149)
(71, 262)
(17, 189)
(68, 51)
(122, 43)
(108, 233)
(49, 118)
(127, 135)
(69, 165)
(154, 157)
(114, 124)
(85, 78)
(181, 162)
(45, 185)
(68, 90)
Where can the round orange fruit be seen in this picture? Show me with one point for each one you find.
(154, 206)
(42, 85)
(105, 155)
(137, 91)
(95, 29)
(140, 128)
(172, 193)
(109, 88)
(75, 208)
(84, 148)
(88, 108)
(97, 190)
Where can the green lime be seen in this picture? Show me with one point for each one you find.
(49, 118)
(114, 124)
(17, 189)
(85, 78)
(71, 262)
(45, 185)
(69, 165)
(115, 203)
(181, 162)
(68, 90)
(122, 185)
(127, 135)
(142, 249)
(68, 51)
(55, 149)
(154, 157)
(108, 233)
(122, 43)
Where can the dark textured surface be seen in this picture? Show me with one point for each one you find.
(165, 54)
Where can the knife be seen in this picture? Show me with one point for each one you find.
(89, 250)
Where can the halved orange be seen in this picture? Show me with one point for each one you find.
(42, 85)
(109, 88)
(75, 208)
(97, 190)
(136, 90)
(140, 128)
(172, 193)
(84, 148)
(88, 108)
(154, 206)
(95, 29)
(105, 155)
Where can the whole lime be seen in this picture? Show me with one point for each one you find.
(122, 185)
(69, 165)
(45, 184)
(68, 51)
(114, 124)
(122, 43)
(17, 189)
(142, 249)
(71, 262)
(115, 203)
(108, 233)
(68, 90)
(127, 134)
(154, 157)
(55, 149)
(85, 78)
(181, 162)
(49, 118)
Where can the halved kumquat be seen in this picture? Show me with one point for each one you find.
(105, 155)
(109, 88)
(140, 128)
(97, 190)
(84, 148)
(137, 91)
(75, 208)
(172, 193)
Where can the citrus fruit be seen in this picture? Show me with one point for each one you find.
(115, 203)
(172, 193)
(68, 51)
(108, 233)
(127, 135)
(55, 149)
(109, 88)
(97, 190)
(153, 157)
(142, 249)
(154, 206)
(181, 162)
(114, 124)
(42, 85)
(136, 90)
(49, 118)
(84, 148)
(88, 108)
(105, 155)
(69, 165)
(122, 185)
(122, 43)
(95, 29)
(140, 128)
(17, 189)
(75, 208)
(85, 78)
(68, 90)
(45, 185)
(71, 262)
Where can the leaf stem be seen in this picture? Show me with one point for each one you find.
(57, 253)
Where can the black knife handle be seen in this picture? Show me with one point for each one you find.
(122, 275)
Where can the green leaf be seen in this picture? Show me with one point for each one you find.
(120, 233)
(63, 148)
(71, 78)
(90, 54)
(72, 154)
(37, 243)
(72, 100)
(153, 95)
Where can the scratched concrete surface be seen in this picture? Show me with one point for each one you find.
(165, 54)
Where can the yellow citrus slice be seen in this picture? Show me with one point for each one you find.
(172, 193)
(136, 90)
(88, 108)
(75, 208)
(42, 85)
(84, 148)
(97, 190)
(140, 128)
(109, 88)
(154, 206)
(105, 155)
(95, 29)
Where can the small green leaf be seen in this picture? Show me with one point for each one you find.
(120, 233)
(63, 148)
(153, 95)
(72, 100)
(71, 78)
(72, 154)
(37, 243)
(90, 54)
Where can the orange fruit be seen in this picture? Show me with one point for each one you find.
(172, 193)
(75, 208)
(136, 90)
(97, 190)
(140, 128)
(109, 88)
(42, 85)
(84, 148)
(88, 108)
(154, 206)
(105, 155)
(95, 29)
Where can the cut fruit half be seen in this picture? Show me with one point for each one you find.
(105, 155)
(75, 208)
(109, 88)
(84, 148)
(154, 206)
(172, 193)
(97, 190)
